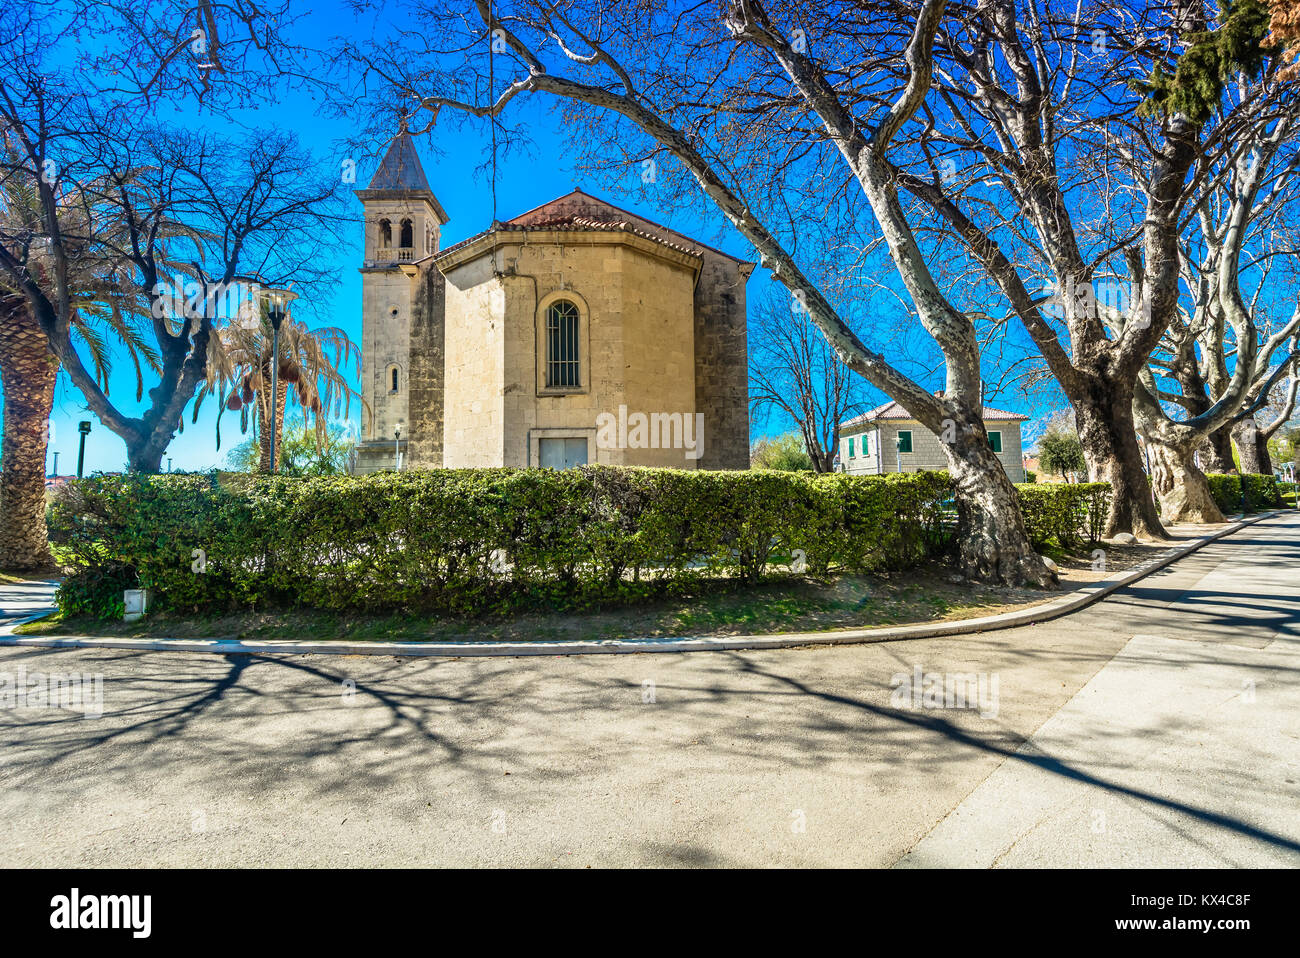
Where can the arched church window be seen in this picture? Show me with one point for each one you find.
(392, 378)
(385, 234)
(408, 234)
(562, 360)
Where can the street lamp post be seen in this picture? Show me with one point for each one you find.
(397, 448)
(277, 301)
(83, 427)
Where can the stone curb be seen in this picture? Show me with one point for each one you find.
(1008, 620)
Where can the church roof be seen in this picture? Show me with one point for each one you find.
(583, 205)
(400, 168)
(582, 212)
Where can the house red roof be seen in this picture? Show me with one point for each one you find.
(892, 410)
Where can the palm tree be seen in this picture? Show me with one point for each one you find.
(311, 366)
(104, 300)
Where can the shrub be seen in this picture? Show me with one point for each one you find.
(1261, 492)
(1226, 490)
(1067, 514)
(1286, 491)
(470, 541)
(96, 590)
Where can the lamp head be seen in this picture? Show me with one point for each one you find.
(277, 303)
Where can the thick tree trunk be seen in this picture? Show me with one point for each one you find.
(28, 369)
(1110, 446)
(145, 456)
(1252, 448)
(1264, 460)
(1181, 485)
(1219, 456)
(992, 542)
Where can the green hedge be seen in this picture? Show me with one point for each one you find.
(1286, 491)
(1067, 514)
(1261, 492)
(473, 541)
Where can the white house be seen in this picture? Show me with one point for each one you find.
(888, 439)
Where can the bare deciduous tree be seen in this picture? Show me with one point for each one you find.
(794, 373)
(1077, 176)
(181, 211)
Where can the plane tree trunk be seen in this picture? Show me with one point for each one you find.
(992, 543)
(1181, 485)
(1109, 440)
(1252, 448)
(1218, 451)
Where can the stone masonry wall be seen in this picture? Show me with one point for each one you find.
(722, 363)
(427, 354)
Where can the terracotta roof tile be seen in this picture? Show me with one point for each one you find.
(573, 223)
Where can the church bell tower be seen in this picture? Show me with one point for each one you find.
(401, 322)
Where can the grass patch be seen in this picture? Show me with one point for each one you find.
(786, 604)
(14, 578)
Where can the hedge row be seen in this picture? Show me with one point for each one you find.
(470, 541)
(1068, 514)
(1261, 492)
(480, 540)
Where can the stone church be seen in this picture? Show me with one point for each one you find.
(574, 333)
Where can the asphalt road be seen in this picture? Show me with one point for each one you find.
(23, 599)
(1159, 727)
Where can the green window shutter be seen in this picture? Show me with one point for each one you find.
(905, 440)
(995, 441)
(851, 456)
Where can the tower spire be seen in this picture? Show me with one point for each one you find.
(400, 168)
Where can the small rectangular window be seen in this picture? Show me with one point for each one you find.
(904, 440)
(995, 441)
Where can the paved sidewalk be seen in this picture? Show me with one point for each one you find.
(18, 600)
(1184, 750)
